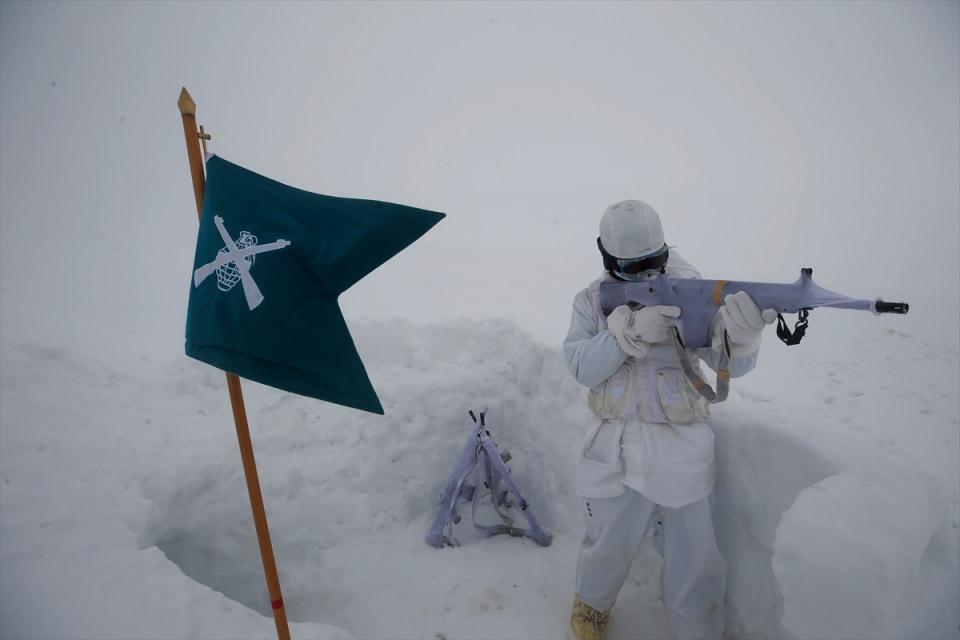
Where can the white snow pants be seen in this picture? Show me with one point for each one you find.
(693, 579)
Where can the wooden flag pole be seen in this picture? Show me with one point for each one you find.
(188, 110)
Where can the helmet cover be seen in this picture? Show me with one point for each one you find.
(631, 229)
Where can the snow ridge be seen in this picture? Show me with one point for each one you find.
(124, 512)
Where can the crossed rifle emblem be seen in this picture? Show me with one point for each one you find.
(242, 258)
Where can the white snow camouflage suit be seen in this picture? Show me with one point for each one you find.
(648, 458)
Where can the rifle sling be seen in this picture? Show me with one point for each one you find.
(799, 330)
(696, 379)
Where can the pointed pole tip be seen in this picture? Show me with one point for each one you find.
(186, 103)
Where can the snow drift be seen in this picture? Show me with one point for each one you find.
(125, 515)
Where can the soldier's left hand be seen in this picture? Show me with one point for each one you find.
(743, 319)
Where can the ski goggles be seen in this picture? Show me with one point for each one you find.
(655, 261)
(636, 266)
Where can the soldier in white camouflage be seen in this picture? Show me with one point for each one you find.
(647, 460)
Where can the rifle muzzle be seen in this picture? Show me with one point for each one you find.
(891, 307)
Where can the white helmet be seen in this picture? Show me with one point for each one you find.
(631, 239)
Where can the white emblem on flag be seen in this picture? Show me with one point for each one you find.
(228, 275)
(233, 262)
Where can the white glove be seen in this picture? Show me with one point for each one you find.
(636, 330)
(744, 321)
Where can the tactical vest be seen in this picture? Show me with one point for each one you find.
(653, 388)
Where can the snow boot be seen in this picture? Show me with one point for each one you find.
(587, 623)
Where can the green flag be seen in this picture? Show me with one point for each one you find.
(270, 263)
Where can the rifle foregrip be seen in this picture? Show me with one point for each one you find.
(892, 307)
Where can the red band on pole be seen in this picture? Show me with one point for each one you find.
(277, 604)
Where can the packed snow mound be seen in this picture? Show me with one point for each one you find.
(838, 483)
(144, 468)
(124, 511)
(871, 538)
(80, 444)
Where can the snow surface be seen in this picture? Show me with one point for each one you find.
(770, 136)
(838, 498)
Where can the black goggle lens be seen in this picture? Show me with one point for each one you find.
(635, 267)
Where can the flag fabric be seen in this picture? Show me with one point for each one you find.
(271, 261)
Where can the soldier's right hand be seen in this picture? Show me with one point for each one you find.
(655, 324)
(636, 329)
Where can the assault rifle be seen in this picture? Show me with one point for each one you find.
(699, 301)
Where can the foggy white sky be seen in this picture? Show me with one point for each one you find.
(770, 136)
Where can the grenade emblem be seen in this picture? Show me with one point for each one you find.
(228, 274)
